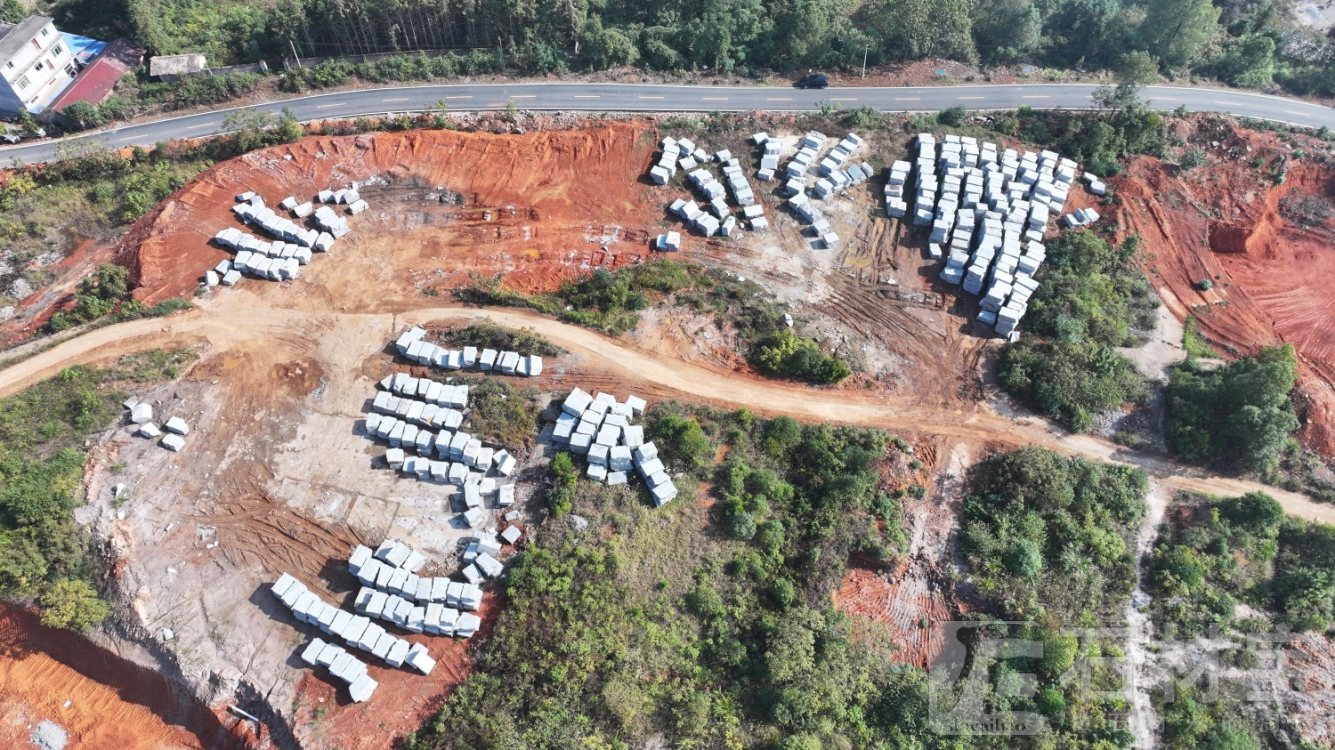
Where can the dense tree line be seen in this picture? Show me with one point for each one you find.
(1243, 42)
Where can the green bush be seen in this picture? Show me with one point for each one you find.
(1237, 417)
(951, 117)
(72, 603)
(784, 354)
(564, 478)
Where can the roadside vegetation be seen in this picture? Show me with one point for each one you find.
(488, 335)
(44, 556)
(105, 296)
(94, 193)
(1242, 45)
(611, 301)
(710, 630)
(1091, 299)
(1052, 538)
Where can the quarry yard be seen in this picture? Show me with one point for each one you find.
(278, 476)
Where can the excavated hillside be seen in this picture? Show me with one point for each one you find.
(1251, 222)
(564, 201)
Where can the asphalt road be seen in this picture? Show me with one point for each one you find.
(611, 97)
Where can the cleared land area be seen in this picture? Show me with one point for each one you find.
(276, 477)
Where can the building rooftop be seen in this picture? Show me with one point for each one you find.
(14, 36)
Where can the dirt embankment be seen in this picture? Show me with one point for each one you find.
(565, 200)
(98, 698)
(1272, 278)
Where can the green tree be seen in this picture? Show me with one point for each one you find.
(1007, 30)
(12, 12)
(1137, 68)
(81, 116)
(1177, 31)
(73, 604)
(1024, 559)
(1248, 61)
(1238, 416)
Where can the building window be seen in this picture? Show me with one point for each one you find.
(39, 67)
(35, 45)
(57, 51)
(71, 70)
(22, 83)
(10, 65)
(46, 31)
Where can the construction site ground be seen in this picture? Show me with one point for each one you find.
(276, 477)
(1225, 222)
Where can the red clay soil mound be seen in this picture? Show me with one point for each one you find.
(901, 600)
(1273, 279)
(100, 699)
(535, 206)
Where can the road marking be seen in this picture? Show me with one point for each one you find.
(908, 98)
(458, 97)
(713, 98)
(642, 96)
(964, 98)
(587, 96)
(1226, 104)
(1291, 112)
(523, 96)
(401, 99)
(126, 138)
(201, 125)
(778, 98)
(1035, 97)
(851, 99)
(328, 106)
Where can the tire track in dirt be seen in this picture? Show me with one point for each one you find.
(241, 319)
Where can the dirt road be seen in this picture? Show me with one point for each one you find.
(235, 321)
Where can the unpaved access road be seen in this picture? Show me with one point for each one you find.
(653, 373)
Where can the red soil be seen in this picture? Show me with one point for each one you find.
(100, 699)
(899, 600)
(538, 207)
(1273, 280)
(323, 716)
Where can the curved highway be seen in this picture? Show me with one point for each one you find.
(614, 97)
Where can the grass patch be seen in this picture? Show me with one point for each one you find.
(43, 431)
(1193, 342)
(488, 335)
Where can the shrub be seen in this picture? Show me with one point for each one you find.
(951, 117)
(787, 355)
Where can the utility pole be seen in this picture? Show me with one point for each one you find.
(294, 52)
(864, 60)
